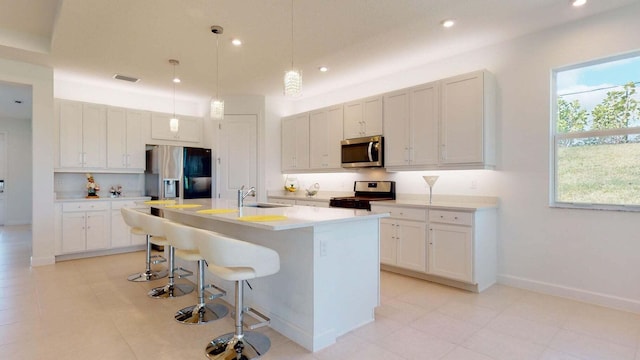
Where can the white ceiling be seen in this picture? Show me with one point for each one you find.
(91, 40)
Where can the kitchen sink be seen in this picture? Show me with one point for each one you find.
(265, 205)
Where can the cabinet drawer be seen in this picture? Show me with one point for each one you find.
(85, 206)
(402, 212)
(451, 217)
(117, 205)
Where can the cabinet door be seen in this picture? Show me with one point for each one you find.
(160, 127)
(372, 115)
(295, 142)
(116, 138)
(412, 245)
(353, 123)
(73, 232)
(396, 128)
(96, 230)
(388, 242)
(120, 235)
(94, 135)
(135, 139)
(462, 124)
(190, 129)
(70, 142)
(451, 251)
(325, 134)
(425, 112)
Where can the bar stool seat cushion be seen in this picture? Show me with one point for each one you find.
(160, 241)
(189, 255)
(235, 260)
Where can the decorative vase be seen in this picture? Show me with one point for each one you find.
(291, 184)
(430, 180)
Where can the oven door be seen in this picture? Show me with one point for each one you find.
(362, 152)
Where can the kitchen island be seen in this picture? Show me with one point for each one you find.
(329, 278)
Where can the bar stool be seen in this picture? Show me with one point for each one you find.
(238, 261)
(154, 225)
(181, 237)
(135, 220)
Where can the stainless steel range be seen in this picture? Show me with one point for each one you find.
(365, 192)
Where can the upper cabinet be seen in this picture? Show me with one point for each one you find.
(467, 126)
(295, 142)
(189, 129)
(363, 117)
(325, 134)
(411, 126)
(82, 135)
(125, 139)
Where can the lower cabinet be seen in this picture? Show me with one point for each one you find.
(90, 225)
(403, 237)
(459, 245)
(84, 226)
(120, 234)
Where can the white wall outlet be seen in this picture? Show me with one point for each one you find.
(474, 184)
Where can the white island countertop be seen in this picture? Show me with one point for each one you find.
(296, 216)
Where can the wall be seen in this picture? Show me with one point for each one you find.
(18, 195)
(583, 254)
(41, 80)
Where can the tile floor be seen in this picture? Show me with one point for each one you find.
(86, 308)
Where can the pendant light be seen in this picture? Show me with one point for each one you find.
(174, 123)
(217, 104)
(293, 77)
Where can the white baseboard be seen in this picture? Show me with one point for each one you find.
(44, 260)
(591, 297)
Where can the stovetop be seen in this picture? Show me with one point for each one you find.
(365, 192)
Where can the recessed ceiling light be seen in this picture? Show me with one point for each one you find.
(448, 23)
(176, 80)
(236, 42)
(323, 68)
(577, 3)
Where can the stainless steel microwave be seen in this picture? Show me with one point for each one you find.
(363, 152)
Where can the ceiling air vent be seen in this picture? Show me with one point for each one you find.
(125, 78)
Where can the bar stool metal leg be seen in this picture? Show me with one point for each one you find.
(240, 345)
(202, 312)
(148, 274)
(172, 289)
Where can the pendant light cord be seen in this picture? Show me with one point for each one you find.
(291, 34)
(174, 90)
(217, 65)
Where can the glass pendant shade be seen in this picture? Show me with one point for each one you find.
(292, 83)
(174, 124)
(217, 109)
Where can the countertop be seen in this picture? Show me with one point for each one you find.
(106, 198)
(439, 204)
(297, 216)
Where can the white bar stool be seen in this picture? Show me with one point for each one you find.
(154, 225)
(181, 237)
(238, 261)
(135, 220)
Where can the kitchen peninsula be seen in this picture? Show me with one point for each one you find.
(329, 278)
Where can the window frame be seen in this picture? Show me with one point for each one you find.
(555, 137)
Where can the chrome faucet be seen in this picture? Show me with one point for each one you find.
(242, 195)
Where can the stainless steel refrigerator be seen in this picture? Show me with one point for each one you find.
(178, 172)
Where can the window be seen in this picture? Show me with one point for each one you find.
(596, 134)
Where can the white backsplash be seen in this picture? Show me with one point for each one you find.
(73, 185)
(450, 182)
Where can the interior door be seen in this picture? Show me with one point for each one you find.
(237, 154)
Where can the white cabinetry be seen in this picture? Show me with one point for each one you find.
(82, 135)
(282, 201)
(189, 129)
(363, 117)
(120, 234)
(84, 226)
(467, 127)
(314, 203)
(295, 142)
(403, 237)
(451, 245)
(125, 141)
(411, 127)
(325, 134)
